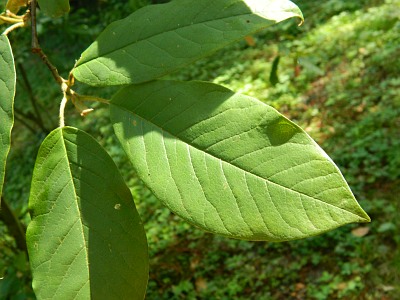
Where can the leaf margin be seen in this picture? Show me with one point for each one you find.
(7, 62)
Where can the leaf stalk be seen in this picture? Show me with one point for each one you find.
(13, 27)
(62, 108)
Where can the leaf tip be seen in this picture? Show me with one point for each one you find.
(363, 217)
(367, 218)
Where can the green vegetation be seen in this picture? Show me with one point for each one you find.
(337, 76)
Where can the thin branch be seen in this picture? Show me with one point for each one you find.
(22, 120)
(14, 225)
(68, 93)
(32, 98)
(36, 47)
(35, 42)
(49, 65)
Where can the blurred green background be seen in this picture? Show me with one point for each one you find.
(338, 76)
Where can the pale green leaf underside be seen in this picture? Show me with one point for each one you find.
(7, 93)
(54, 8)
(85, 240)
(229, 163)
(159, 39)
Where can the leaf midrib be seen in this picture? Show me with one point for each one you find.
(76, 201)
(233, 165)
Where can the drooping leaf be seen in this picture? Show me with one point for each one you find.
(54, 8)
(85, 240)
(229, 163)
(7, 93)
(159, 39)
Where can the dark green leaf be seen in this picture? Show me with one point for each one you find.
(159, 39)
(229, 163)
(273, 76)
(85, 240)
(7, 93)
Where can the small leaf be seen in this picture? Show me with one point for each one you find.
(54, 8)
(85, 240)
(229, 163)
(159, 39)
(7, 93)
(273, 76)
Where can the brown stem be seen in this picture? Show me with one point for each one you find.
(14, 225)
(36, 47)
(49, 65)
(35, 42)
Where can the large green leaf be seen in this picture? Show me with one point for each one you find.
(229, 163)
(7, 93)
(85, 240)
(159, 39)
(54, 8)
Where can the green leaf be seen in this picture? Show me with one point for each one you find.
(159, 39)
(229, 163)
(85, 240)
(7, 93)
(54, 8)
(273, 76)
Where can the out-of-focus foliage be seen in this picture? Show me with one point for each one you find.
(338, 78)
